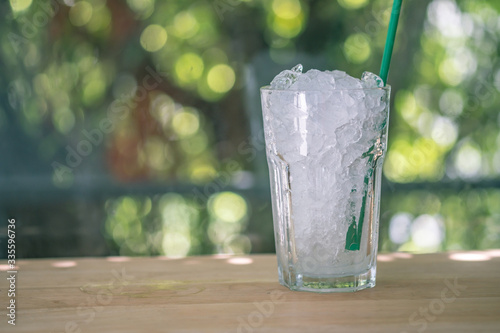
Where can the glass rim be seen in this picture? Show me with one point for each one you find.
(268, 88)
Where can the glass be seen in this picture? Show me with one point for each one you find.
(325, 152)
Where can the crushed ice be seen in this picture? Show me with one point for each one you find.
(333, 127)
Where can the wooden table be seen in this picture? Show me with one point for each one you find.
(454, 292)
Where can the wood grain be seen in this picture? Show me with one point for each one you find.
(414, 293)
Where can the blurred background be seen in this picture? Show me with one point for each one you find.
(134, 127)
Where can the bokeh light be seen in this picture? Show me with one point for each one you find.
(196, 144)
(80, 13)
(153, 38)
(451, 103)
(450, 72)
(176, 245)
(93, 91)
(101, 19)
(228, 207)
(63, 120)
(158, 154)
(286, 9)
(143, 8)
(399, 229)
(468, 161)
(185, 25)
(229, 213)
(186, 122)
(238, 245)
(427, 232)
(162, 108)
(178, 219)
(447, 17)
(189, 68)
(357, 48)
(124, 224)
(20, 5)
(408, 162)
(353, 4)
(444, 131)
(201, 170)
(287, 28)
(221, 78)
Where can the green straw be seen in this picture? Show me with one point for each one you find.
(353, 236)
(389, 43)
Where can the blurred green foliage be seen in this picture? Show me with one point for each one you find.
(156, 89)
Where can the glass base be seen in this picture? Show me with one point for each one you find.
(331, 284)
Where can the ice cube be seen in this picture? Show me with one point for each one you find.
(297, 68)
(370, 80)
(314, 80)
(348, 82)
(286, 78)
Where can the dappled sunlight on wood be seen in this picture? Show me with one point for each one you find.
(240, 261)
(470, 256)
(64, 264)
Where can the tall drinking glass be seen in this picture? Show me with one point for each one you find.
(325, 151)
